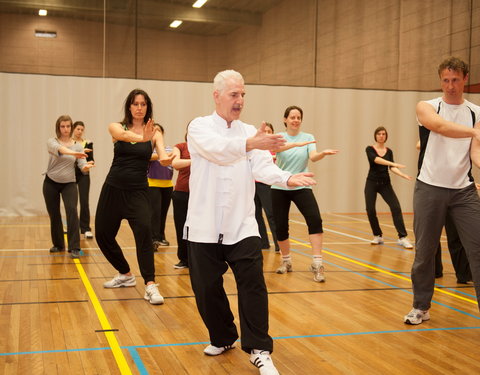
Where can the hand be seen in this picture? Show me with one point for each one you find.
(148, 131)
(301, 179)
(409, 178)
(330, 152)
(166, 161)
(301, 144)
(263, 141)
(79, 155)
(88, 166)
(87, 150)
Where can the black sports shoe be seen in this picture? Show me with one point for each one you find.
(56, 249)
(181, 264)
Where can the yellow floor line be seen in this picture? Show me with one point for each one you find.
(112, 340)
(385, 272)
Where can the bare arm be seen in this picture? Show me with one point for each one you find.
(401, 174)
(118, 133)
(316, 156)
(432, 121)
(475, 149)
(177, 162)
(164, 158)
(290, 145)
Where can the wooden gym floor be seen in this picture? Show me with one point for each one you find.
(56, 318)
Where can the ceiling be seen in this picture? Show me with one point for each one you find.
(216, 17)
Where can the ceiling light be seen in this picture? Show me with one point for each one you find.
(176, 23)
(199, 3)
(45, 34)
(42, 12)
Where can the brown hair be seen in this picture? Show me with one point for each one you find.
(455, 64)
(291, 108)
(378, 130)
(57, 124)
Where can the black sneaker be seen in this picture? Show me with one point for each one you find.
(56, 249)
(164, 243)
(75, 254)
(181, 264)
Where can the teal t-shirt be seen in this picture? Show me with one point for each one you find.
(296, 159)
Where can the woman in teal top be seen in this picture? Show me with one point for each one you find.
(295, 160)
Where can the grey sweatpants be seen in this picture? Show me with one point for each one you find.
(430, 206)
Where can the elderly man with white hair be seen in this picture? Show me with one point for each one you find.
(227, 157)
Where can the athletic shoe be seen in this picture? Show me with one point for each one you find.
(215, 350)
(180, 265)
(88, 235)
(120, 280)
(56, 249)
(405, 243)
(416, 316)
(377, 240)
(75, 253)
(318, 273)
(277, 250)
(164, 243)
(285, 267)
(264, 362)
(152, 295)
(156, 245)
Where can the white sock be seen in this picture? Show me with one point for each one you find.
(318, 260)
(286, 258)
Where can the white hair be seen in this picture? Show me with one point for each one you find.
(222, 77)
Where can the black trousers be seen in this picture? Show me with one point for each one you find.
(208, 262)
(83, 184)
(51, 192)
(372, 188)
(180, 208)
(263, 199)
(457, 253)
(134, 205)
(160, 202)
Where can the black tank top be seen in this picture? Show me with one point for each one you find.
(130, 165)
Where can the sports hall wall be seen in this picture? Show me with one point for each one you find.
(351, 65)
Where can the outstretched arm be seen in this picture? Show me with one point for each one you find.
(401, 174)
(177, 162)
(316, 156)
(290, 145)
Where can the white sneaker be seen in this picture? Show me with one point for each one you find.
(264, 362)
(120, 280)
(377, 240)
(416, 316)
(152, 295)
(285, 267)
(88, 235)
(318, 272)
(405, 243)
(215, 350)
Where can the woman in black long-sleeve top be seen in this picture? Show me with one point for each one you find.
(378, 182)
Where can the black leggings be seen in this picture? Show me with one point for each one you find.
(160, 198)
(388, 195)
(305, 202)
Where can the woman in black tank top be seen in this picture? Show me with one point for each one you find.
(124, 194)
